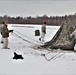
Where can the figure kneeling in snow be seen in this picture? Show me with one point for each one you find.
(17, 56)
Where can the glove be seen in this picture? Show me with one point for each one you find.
(45, 32)
(1, 33)
(11, 31)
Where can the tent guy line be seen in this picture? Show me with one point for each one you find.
(27, 37)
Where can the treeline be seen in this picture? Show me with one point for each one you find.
(52, 20)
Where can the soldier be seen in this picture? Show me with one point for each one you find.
(1, 32)
(43, 32)
(5, 34)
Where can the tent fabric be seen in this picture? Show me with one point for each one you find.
(62, 39)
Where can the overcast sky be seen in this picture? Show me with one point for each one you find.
(37, 7)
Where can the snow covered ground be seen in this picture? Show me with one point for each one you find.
(24, 41)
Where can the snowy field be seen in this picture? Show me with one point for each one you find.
(23, 41)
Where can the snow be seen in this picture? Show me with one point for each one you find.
(54, 61)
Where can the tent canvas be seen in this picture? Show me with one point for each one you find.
(62, 39)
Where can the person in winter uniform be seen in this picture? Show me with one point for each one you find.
(5, 35)
(1, 33)
(43, 32)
